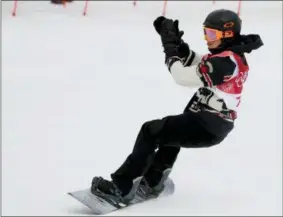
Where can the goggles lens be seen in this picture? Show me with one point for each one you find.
(214, 34)
(211, 34)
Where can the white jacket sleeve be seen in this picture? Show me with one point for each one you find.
(186, 75)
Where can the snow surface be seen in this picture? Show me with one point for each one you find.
(75, 91)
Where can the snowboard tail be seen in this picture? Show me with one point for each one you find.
(101, 206)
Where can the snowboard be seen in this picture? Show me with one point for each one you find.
(100, 206)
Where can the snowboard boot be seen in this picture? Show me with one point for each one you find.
(149, 189)
(110, 192)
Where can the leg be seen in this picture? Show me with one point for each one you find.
(177, 131)
(164, 159)
(123, 186)
(204, 130)
(191, 135)
(167, 135)
(141, 157)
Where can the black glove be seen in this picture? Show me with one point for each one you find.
(170, 35)
(168, 30)
(183, 50)
(157, 23)
(171, 38)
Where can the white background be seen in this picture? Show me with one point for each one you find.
(75, 91)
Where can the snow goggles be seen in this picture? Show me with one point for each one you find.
(215, 34)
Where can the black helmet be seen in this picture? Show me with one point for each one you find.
(224, 20)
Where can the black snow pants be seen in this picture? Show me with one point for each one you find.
(159, 142)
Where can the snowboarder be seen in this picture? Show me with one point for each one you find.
(207, 119)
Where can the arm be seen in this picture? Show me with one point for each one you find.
(184, 71)
(180, 59)
(211, 72)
